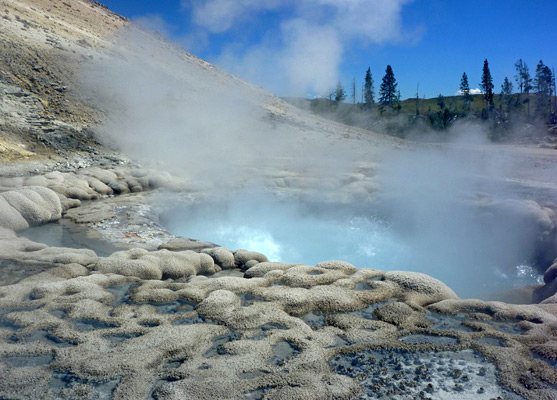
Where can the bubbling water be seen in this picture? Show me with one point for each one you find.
(291, 232)
(363, 241)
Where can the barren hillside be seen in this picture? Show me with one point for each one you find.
(45, 45)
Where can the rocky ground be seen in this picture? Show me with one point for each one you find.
(164, 317)
(164, 321)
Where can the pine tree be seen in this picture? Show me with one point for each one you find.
(340, 94)
(507, 87)
(368, 89)
(441, 101)
(526, 84)
(465, 90)
(506, 92)
(417, 98)
(543, 85)
(519, 66)
(388, 90)
(539, 81)
(553, 92)
(487, 86)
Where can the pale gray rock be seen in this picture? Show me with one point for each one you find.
(223, 257)
(68, 203)
(103, 175)
(261, 269)
(136, 262)
(118, 187)
(551, 273)
(547, 292)
(160, 264)
(134, 185)
(181, 243)
(242, 256)
(11, 218)
(29, 206)
(98, 186)
(36, 180)
(249, 264)
(342, 266)
(418, 288)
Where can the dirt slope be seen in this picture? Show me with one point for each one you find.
(45, 44)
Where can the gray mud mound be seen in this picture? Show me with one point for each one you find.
(77, 332)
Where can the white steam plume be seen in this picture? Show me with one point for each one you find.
(463, 223)
(220, 15)
(164, 105)
(167, 106)
(308, 41)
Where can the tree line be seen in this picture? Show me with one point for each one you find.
(389, 95)
(542, 85)
(534, 97)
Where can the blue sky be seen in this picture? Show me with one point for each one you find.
(303, 47)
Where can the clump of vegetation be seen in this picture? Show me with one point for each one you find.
(508, 115)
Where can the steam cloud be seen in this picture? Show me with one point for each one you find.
(307, 43)
(168, 107)
(165, 106)
(451, 207)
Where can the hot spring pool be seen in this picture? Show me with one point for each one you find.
(286, 232)
(65, 233)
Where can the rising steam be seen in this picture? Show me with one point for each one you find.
(437, 210)
(166, 106)
(302, 44)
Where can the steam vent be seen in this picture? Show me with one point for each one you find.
(101, 298)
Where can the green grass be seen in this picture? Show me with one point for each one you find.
(403, 121)
(408, 106)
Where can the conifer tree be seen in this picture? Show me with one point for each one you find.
(465, 90)
(441, 101)
(506, 87)
(519, 67)
(340, 94)
(487, 85)
(506, 92)
(543, 85)
(526, 84)
(368, 89)
(388, 90)
(553, 92)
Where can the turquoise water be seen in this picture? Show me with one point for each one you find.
(294, 233)
(291, 235)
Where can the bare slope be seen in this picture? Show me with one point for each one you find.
(45, 45)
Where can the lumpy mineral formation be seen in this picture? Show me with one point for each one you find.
(184, 321)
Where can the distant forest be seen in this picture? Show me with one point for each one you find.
(525, 110)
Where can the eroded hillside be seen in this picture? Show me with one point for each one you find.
(44, 43)
(45, 46)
